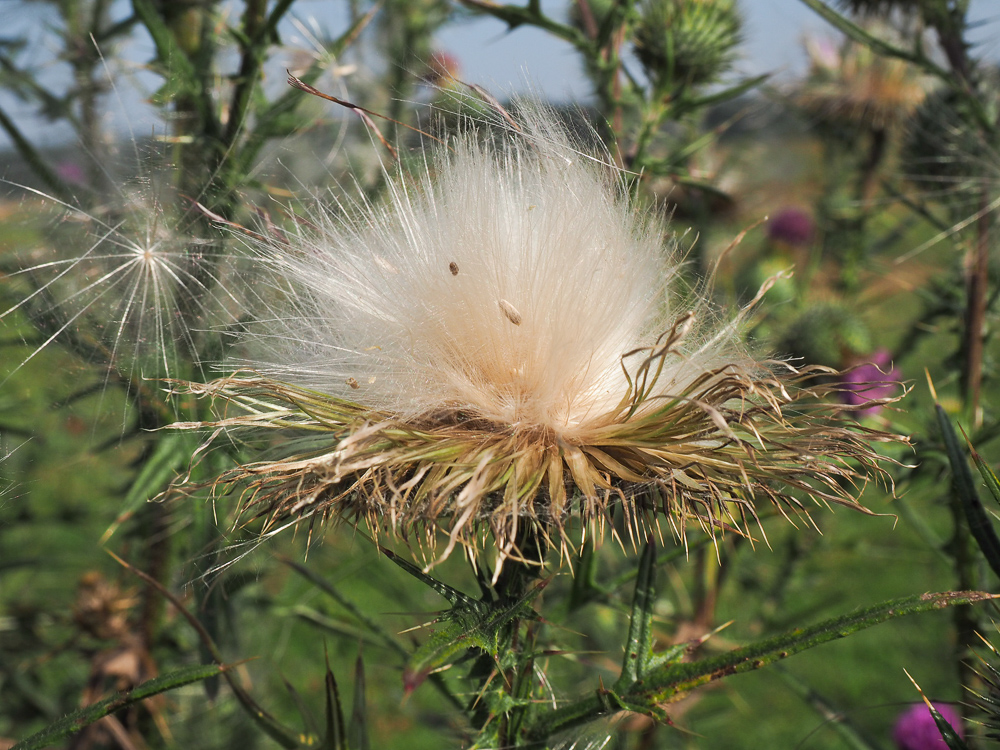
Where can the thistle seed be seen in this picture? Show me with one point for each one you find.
(511, 312)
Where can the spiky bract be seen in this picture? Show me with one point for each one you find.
(687, 42)
(501, 345)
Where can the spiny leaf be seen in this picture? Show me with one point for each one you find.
(87, 716)
(951, 738)
(725, 95)
(335, 738)
(357, 730)
(441, 649)
(584, 587)
(182, 71)
(268, 724)
(454, 596)
(638, 645)
(678, 678)
(840, 721)
(307, 717)
(979, 521)
(371, 627)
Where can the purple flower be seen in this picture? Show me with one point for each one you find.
(71, 172)
(916, 730)
(871, 381)
(792, 226)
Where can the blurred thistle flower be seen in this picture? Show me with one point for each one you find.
(859, 87)
(868, 384)
(916, 729)
(500, 345)
(71, 172)
(443, 70)
(687, 42)
(792, 226)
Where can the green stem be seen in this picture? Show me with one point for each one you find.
(255, 40)
(516, 578)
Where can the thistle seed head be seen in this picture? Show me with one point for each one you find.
(592, 387)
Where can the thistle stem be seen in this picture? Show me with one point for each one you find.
(516, 577)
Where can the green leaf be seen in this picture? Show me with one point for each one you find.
(638, 644)
(725, 95)
(965, 490)
(859, 34)
(307, 718)
(357, 730)
(334, 739)
(172, 453)
(446, 645)
(277, 13)
(680, 678)
(279, 118)
(371, 627)
(87, 716)
(862, 36)
(470, 624)
(584, 588)
(453, 595)
(515, 15)
(992, 483)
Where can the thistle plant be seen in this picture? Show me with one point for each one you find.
(487, 359)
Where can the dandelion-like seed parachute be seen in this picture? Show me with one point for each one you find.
(499, 345)
(128, 285)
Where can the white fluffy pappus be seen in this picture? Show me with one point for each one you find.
(505, 286)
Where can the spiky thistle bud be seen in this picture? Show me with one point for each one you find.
(501, 344)
(687, 42)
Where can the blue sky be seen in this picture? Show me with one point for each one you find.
(491, 56)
